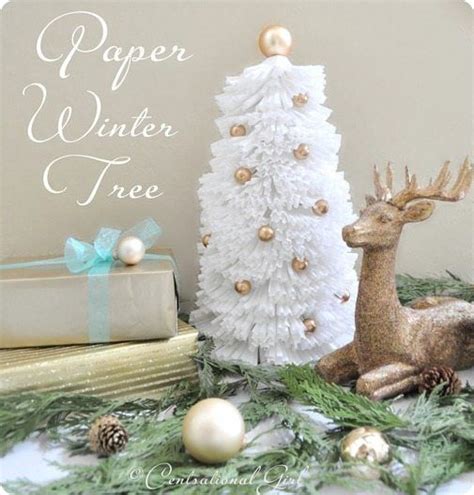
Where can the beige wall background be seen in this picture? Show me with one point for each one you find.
(399, 81)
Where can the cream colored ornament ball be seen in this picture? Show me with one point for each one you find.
(130, 250)
(275, 40)
(213, 431)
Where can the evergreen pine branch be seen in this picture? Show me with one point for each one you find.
(342, 406)
(410, 288)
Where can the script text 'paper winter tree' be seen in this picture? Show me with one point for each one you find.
(277, 282)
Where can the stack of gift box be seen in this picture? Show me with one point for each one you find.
(95, 325)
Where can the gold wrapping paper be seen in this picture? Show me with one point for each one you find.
(48, 305)
(124, 370)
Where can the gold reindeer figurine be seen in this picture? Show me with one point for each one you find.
(392, 343)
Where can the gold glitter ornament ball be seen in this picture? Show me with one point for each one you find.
(310, 325)
(320, 207)
(302, 152)
(300, 100)
(238, 130)
(205, 240)
(243, 175)
(366, 444)
(275, 40)
(266, 233)
(299, 264)
(213, 431)
(243, 287)
(344, 297)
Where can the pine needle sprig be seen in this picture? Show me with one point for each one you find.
(342, 406)
(410, 288)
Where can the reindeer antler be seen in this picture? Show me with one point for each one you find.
(435, 189)
(383, 190)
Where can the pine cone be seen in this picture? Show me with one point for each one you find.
(107, 436)
(431, 377)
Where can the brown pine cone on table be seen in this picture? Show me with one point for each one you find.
(431, 377)
(107, 436)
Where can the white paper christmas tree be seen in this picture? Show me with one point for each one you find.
(277, 283)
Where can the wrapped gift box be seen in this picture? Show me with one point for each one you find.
(48, 305)
(134, 369)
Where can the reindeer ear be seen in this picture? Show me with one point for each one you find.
(370, 200)
(419, 211)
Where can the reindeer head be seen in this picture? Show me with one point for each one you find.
(381, 222)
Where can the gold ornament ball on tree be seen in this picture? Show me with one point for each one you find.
(205, 240)
(238, 130)
(107, 436)
(310, 325)
(266, 233)
(243, 175)
(300, 100)
(213, 431)
(344, 297)
(299, 264)
(243, 287)
(301, 152)
(320, 207)
(275, 40)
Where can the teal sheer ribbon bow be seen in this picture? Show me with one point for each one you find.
(97, 258)
(80, 256)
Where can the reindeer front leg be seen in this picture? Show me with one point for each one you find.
(388, 381)
(339, 366)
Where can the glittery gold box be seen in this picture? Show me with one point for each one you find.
(47, 305)
(134, 369)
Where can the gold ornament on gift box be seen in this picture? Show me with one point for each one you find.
(243, 287)
(365, 444)
(320, 207)
(275, 40)
(266, 233)
(243, 175)
(299, 264)
(301, 152)
(213, 431)
(392, 343)
(300, 100)
(238, 130)
(107, 436)
(310, 325)
(205, 240)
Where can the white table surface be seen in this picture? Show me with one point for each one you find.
(31, 459)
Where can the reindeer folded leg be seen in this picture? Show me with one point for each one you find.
(339, 366)
(388, 381)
